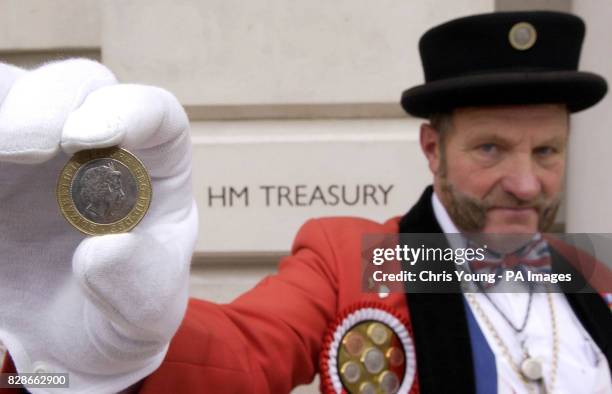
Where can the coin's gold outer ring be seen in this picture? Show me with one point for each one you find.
(73, 216)
(533, 36)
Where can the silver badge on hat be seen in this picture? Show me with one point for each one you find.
(522, 36)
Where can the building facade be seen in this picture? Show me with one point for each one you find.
(294, 108)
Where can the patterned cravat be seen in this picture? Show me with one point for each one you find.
(534, 257)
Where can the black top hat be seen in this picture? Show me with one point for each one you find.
(501, 59)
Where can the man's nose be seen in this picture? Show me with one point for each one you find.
(521, 179)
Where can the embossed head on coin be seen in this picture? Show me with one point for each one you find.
(99, 194)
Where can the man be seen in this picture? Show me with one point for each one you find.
(499, 88)
(496, 146)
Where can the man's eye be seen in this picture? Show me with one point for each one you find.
(488, 148)
(545, 151)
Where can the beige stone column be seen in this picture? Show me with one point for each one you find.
(589, 179)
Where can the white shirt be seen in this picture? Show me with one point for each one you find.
(581, 367)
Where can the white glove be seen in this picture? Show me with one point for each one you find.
(101, 308)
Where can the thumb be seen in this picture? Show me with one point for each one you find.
(138, 283)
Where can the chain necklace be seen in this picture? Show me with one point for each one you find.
(530, 369)
(517, 330)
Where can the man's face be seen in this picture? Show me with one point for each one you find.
(502, 168)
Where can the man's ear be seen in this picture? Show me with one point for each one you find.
(430, 145)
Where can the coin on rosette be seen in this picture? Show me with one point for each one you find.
(104, 191)
(368, 349)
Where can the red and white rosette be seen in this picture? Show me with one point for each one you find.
(378, 351)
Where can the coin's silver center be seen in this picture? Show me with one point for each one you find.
(522, 36)
(104, 191)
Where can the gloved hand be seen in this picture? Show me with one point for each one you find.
(101, 308)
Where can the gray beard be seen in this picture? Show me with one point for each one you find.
(470, 214)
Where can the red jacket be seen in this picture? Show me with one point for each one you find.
(269, 339)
